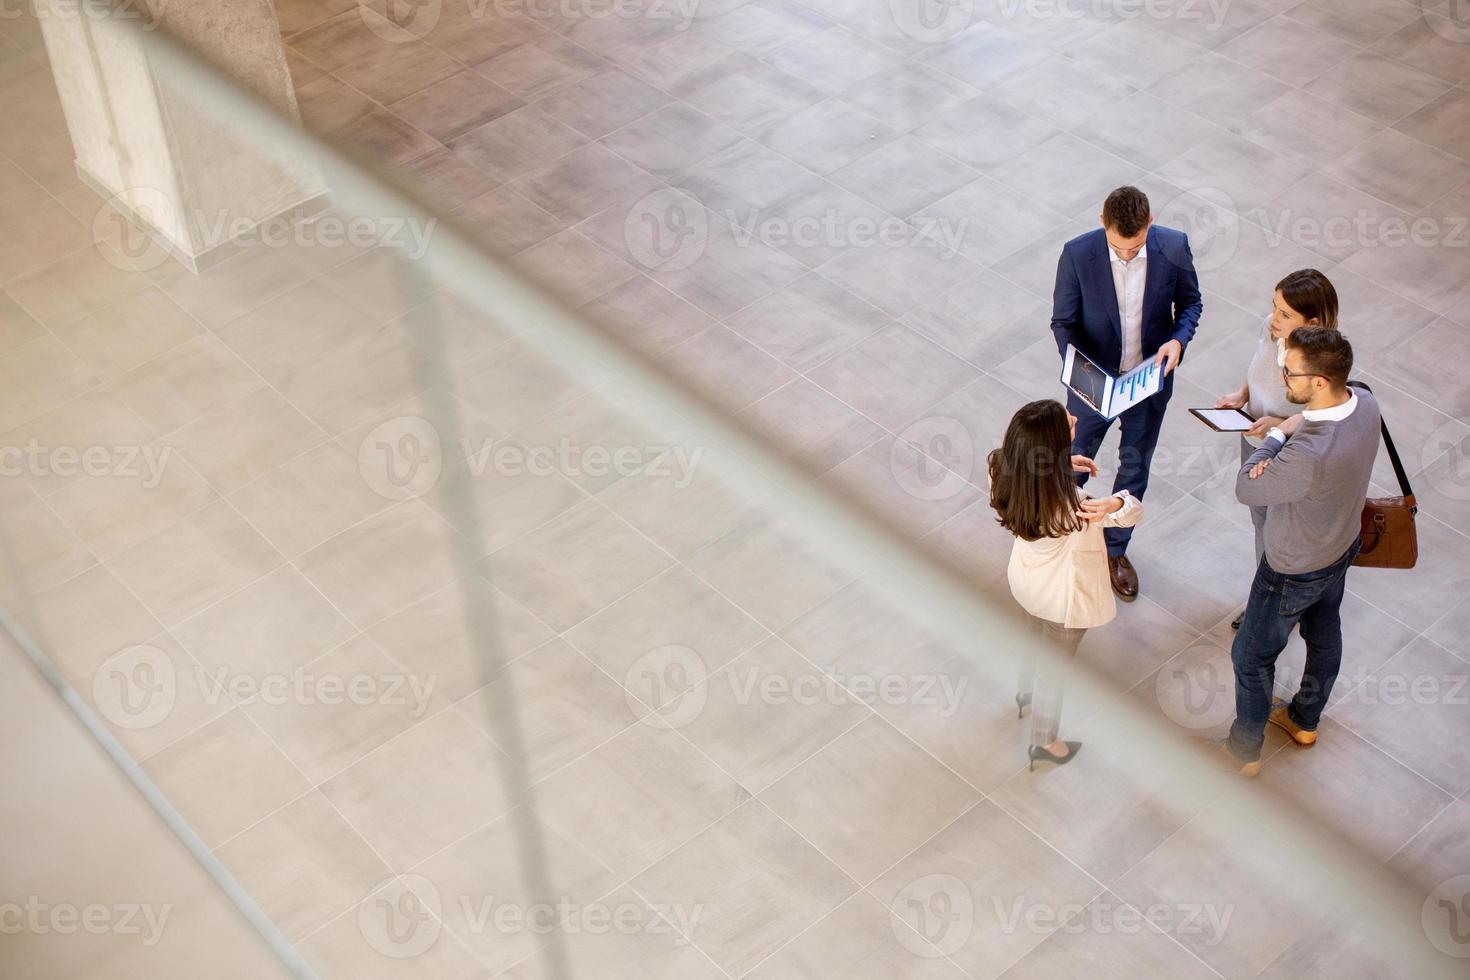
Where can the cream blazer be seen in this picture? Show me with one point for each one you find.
(1065, 580)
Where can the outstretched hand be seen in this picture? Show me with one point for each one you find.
(1083, 464)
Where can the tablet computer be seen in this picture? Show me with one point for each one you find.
(1224, 419)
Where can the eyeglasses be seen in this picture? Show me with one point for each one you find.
(1287, 375)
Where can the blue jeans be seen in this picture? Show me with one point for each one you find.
(1279, 602)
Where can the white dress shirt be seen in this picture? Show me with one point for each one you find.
(1334, 414)
(1128, 278)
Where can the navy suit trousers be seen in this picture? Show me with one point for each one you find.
(1140, 436)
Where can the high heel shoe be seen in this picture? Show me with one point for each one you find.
(1023, 701)
(1039, 753)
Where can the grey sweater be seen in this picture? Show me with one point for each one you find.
(1313, 491)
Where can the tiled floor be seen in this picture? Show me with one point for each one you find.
(642, 694)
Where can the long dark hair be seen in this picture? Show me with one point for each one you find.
(1032, 487)
(1312, 295)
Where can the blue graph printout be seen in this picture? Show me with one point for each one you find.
(1105, 394)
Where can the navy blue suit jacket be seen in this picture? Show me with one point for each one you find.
(1085, 303)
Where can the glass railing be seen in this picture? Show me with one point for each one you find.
(456, 624)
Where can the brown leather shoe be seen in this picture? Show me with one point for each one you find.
(1123, 577)
(1282, 720)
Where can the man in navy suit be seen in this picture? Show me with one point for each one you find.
(1125, 292)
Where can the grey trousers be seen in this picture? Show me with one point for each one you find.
(1044, 683)
(1258, 513)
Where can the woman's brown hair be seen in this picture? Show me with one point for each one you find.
(1032, 487)
(1312, 295)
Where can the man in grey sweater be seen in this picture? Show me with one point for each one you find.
(1311, 474)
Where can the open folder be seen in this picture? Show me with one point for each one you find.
(1104, 394)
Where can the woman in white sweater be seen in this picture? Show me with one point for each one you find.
(1059, 562)
(1305, 298)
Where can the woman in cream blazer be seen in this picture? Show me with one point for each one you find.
(1059, 562)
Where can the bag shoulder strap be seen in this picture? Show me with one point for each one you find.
(1393, 453)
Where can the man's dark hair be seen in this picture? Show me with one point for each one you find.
(1126, 211)
(1326, 352)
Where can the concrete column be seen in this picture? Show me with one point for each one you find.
(192, 180)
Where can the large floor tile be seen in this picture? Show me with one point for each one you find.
(501, 889)
(193, 564)
(763, 714)
(758, 883)
(386, 562)
(1410, 709)
(859, 939)
(742, 566)
(225, 777)
(893, 376)
(1006, 887)
(304, 864)
(559, 571)
(637, 798)
(427, 789)
(869, 798)
(526, 707)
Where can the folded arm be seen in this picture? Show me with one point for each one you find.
(1287, 477)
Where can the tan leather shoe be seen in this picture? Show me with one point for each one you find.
(1282, 720)
(1217, 751)
(1123, 578)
